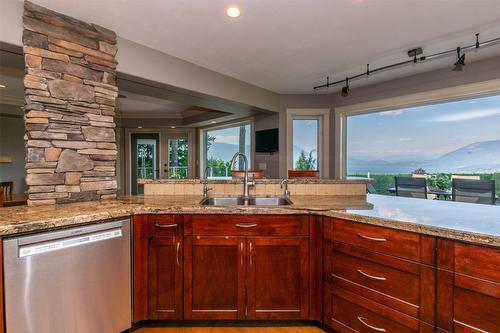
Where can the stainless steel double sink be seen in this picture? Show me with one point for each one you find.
(246, 201)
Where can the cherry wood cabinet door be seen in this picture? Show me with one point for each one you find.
(165, 275)
(214, 277)
(277, 278)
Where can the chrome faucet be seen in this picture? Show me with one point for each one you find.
(284, 182)
(205, 185)
(246, 183)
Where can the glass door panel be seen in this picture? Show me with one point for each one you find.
(178, 157)
(145, 159)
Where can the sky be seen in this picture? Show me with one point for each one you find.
(423, 132)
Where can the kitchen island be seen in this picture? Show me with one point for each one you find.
(399, 264)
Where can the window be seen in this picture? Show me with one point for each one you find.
(459, 139)
(307, 140)
(220, 144)
(305, 143)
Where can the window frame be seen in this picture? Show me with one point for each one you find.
(323, 116)
(203, 143)
(450, 94)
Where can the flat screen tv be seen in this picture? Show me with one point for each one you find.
(267, 141)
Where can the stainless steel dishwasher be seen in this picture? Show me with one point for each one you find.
(75, 280)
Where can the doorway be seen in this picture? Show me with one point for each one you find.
(145, 159)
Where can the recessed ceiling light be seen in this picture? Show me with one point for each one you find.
(172, 126)
(139, 126)
(213, 121)
(233, 12)
(2, 86)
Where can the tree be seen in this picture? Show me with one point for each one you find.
(218, 166)
(241, 142)
(210, 141)
(306, 162)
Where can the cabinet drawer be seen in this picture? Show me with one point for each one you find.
(385, 240)
(249, 225)
(475, 312)
(165, 225)
(354, 313)
(478, 261)
(380, 278)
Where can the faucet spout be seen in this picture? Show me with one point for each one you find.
(246, 182)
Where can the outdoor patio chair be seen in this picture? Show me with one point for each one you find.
(411, 187)
(474, 191)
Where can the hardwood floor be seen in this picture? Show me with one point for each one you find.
(290, 329)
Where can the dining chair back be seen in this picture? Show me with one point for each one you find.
(474, 191)
(6, 188)
(303, 173)
(411, 187)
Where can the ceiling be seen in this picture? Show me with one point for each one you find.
(290, 46)
(158, 105)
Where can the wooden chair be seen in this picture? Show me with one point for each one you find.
(6, 188)
(411, 187)
(303, 174)
(473, 191)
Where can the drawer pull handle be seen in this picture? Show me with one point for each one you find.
(178, 252)
(239, 225)
(363, 321)
(241, 250)
(379, 278)
(375, 239)
(166, 226)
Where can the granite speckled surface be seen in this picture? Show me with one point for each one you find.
(478, 224)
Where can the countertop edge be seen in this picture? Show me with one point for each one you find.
(139, 209)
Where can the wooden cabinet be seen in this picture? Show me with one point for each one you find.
(215, 271)
(378, 277)
(165, 267)
(277, 278)
(468, 287)
(239, 267)
(158, 267)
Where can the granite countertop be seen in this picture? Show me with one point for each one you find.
(474, 223)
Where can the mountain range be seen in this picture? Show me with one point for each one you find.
(476, 157)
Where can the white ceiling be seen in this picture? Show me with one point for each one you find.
(288, 46)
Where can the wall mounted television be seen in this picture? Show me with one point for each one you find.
(267, 141)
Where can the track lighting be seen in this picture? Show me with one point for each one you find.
(460, 61)
(345, 89)
(416, 56)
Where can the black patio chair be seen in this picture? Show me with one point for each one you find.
(411, 187)
(473, 191)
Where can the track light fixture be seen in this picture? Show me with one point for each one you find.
(460, 61)
(416, 56)
(345, 89)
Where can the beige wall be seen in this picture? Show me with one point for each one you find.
(12, 145)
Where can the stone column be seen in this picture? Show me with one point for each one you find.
(70, 95)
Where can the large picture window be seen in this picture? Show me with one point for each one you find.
(220, 144)
(440, 141)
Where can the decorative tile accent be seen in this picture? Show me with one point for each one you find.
(187, 187)
(70, 93)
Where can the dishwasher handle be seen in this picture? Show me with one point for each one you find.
(75, 231)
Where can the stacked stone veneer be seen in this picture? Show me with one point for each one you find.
(70, 93)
